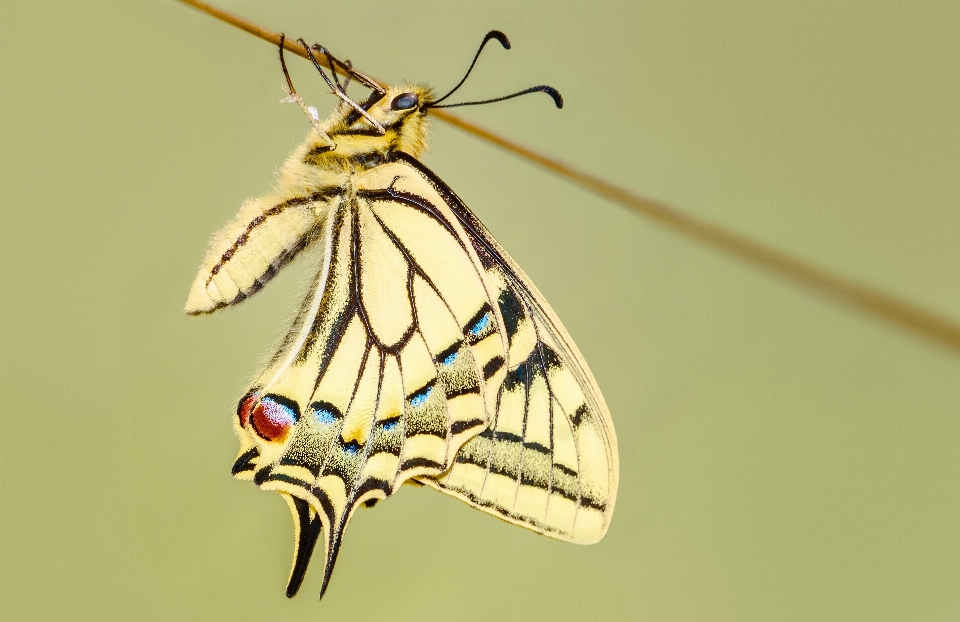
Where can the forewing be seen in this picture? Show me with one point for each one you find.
(549, 460)
(391, 365)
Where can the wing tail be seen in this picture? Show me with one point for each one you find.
(307, 528)
(383, 376)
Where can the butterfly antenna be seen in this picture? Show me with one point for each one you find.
(283, 64)
(493, 34)
(338, 91)
(543, 88)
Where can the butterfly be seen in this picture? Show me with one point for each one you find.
(421, 354)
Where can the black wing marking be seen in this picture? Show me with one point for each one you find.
(358, 400)
(549, 462)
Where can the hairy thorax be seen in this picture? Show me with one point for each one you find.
(333, 160)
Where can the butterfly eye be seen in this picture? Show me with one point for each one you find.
(273, 417)
(406, 101)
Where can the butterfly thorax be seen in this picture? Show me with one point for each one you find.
(346, 147)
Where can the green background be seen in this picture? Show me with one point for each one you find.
(782, 457)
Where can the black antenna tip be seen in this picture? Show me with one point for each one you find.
(499, 36)
(555, 94)
(543, 88)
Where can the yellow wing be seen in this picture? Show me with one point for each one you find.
(549, 461)
(393, 363)
(423, 353)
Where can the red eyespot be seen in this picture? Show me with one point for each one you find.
(273, 417)
(244, 408)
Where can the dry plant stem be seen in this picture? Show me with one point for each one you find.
(264, 33)
(937, 328)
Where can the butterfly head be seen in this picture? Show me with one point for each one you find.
(391, 118)
(399, 112)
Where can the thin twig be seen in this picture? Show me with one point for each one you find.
(264, 33)
(937, 328)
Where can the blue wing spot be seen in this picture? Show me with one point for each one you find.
(351, 448)
(389, 426)
(421, 398)
(481, 324)
(324, 417)
(450, 359)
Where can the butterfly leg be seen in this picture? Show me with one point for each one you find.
(332, 61)
(339, 92)
(293, 96)
(346, 81)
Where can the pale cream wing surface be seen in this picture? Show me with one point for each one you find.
(549, 460)
(394, 362)
(421, 354)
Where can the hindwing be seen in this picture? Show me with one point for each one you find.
(424, 353)
(394, 362)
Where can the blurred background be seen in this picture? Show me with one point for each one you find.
(782, 457)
